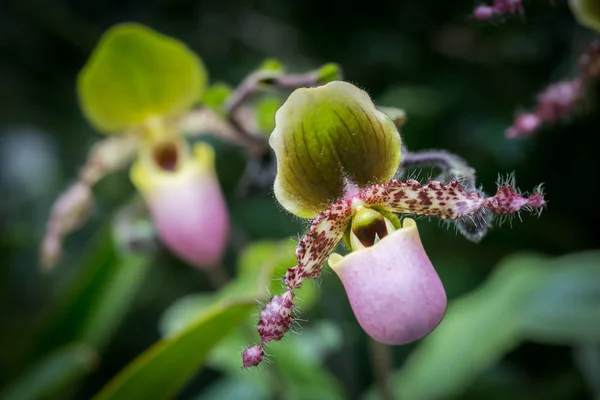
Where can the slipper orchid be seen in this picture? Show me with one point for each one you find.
(337, 155)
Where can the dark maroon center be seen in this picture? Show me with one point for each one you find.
(166, 156)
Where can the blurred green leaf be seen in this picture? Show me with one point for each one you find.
(53, 374)
(330, 72)
(297, 371)
(566, 308)
(265, 109)
(477, 331)
(271, 65)
(233, 389)
(162, 370)
(261, 267)
(99, 296)
(183, 312)
(216, 95)
(587, 359)
(135, 74)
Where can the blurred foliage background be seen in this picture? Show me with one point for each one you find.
(69, 332)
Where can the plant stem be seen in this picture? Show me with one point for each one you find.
(381, 362)
(255, 83)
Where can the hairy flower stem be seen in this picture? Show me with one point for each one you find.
(256, 83)
(451, 165)
(381, 362)
(73, 207)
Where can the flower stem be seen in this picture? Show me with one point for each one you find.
(381, 361)
(451, 165)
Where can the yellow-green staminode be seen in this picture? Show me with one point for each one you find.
(587, 13)
(136, 74)
(327, 140)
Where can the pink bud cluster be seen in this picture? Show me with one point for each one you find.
(485, 12)
(558, 101)
(275, 320)
(555, 103)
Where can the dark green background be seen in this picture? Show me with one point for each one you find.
(460, 80)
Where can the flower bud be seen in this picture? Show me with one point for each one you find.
(185, 200)
(326, 139)
(395, 293)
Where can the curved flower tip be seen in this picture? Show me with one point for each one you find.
(319, 135)
(395, 293)
(185, 200)
(252, 356)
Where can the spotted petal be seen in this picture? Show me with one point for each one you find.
(446, 200)
(276, 317)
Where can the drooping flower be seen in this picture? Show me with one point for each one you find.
(135, 87)
(336, 157)
(185, 200)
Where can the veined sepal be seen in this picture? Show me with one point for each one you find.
(326, 139)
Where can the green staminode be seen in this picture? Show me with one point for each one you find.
(328, 139)
(136, 74)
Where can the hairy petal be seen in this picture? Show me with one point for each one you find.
(446, 200)
(73, 207)
(276, 319)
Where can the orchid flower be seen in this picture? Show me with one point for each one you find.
(337, 156)
(137, 87)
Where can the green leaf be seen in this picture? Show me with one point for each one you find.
(53, 374)
(477, 331)
(261, 268)
(136, 74)
(183, 312)
(330, 72)
(162, 370)
(99, 296)
(216, 96)
(271, 65)
(562, 310)
(265, 109)
(233, 389)
(297, 372)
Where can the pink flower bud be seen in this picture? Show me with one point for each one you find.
(393, 289)
(252, 356)
(185, 200)
(483, 12)
(525, 124)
